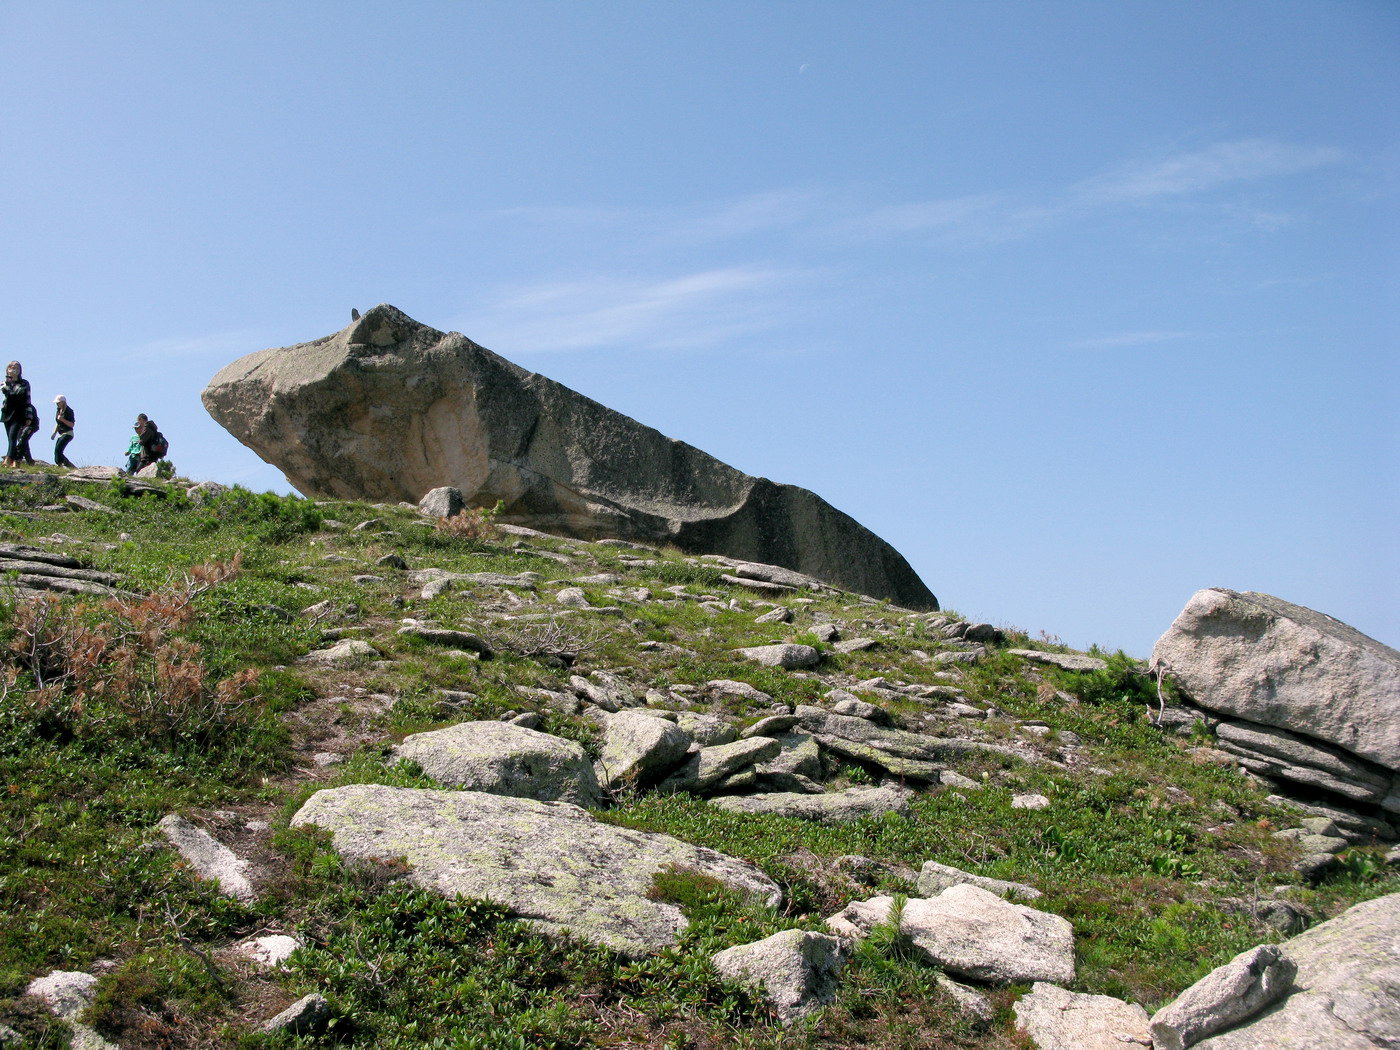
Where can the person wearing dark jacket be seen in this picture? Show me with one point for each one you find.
(62, 430)
(13, 412)
(152, 444)
(30, 428)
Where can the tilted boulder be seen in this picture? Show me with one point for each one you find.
(1345, 994)
(1268, 661)
(388, 409)
(1228, 994)
(551, 862)
(1058, 1019)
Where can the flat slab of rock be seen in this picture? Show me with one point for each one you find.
(1266, 660)
(209, 858)
(788, 655)
(1346, 993)
(835, 807)
(1057, 1019)
(346, 653)
(550, 862)
(1064, 661)
(934, 878)
(505, 759)
(972, 933)
(388, 409)
(797, 970)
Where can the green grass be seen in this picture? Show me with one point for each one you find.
(1146, 855)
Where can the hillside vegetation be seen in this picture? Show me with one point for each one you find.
(187, 696)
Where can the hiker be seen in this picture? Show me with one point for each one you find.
(30, 428)
(133, 447)
(62, 430)
(12, 414)
(153, 443)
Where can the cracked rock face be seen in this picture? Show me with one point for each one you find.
(1270, 662)
(388, 409)
(550, 862)
(1345, 994)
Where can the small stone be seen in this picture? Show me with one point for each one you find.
(308, 1014)
(1029, 802)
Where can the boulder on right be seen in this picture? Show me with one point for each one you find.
(1270, 662)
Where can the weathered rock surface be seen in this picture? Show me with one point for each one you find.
(639, 749)
(1271, 662)
(504, 759)
(796, 969)
(389, 409)
(836, 807)
(1058, 1019)
(785, 655)
(1345, 994)
(550, 862)
(935, 878)
(973, 933)
(209, 858)
(1064, 661)
(67, 993)
(308, 1014)
(1228, 994)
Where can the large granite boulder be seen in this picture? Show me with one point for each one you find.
(1058, 1019)
(1264, 660)
(797, 970)
(550, 862)
(1345, 994)
(389, 409)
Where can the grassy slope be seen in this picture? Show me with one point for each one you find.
(1142, 853)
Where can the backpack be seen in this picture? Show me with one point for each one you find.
(160, 448)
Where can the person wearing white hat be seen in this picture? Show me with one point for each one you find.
(62, 430)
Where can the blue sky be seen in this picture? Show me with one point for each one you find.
(1081, 305)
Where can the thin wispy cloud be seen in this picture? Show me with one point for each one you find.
(1247, 160)
(695, 310)
(1126, 340)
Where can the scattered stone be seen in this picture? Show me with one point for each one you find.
(572, 596)
(834, 807)
(83, 503)
(970, 1001)
(706, 769)
(855, 645)
(392, 561)
(442, 502)
(725, 687)
(1227, 995)
(706, 730)
(269, 951)
(442, 636)
(773, 725)
(1064, 661)
(1057, 1019)
(858, 709)
(778, 615)
(209, 858)
(935, 877)
(505, 759)
(638, 750)
(797, 970)
(344, 654)
(308, 1014)
(975, 934)
(787, 655)
(827, 632)
(551, 862)
(1029, 802)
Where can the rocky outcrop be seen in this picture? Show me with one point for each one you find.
(505, 759)
(390, 409)
(1345, 994)
(1306, 699)
(550, 862)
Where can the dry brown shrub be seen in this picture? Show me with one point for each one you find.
(476, 524)
(119, 661)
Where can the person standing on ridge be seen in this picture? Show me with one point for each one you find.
(30, 428)
(14, 411)
(62, 430)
